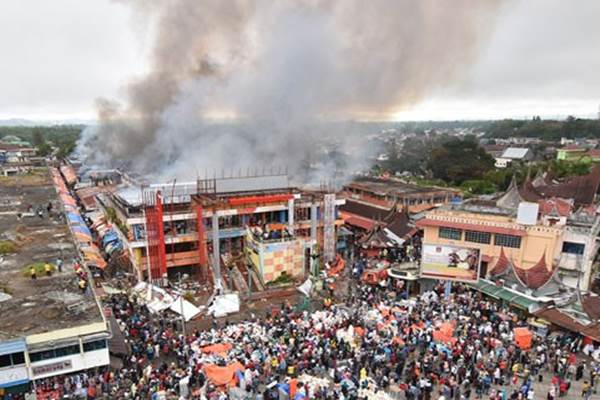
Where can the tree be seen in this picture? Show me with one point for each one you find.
(457, 160)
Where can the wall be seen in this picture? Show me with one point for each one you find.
(79, 362)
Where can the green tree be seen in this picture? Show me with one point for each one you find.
(457, 160)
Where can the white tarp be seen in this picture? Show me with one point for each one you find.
(306, 288)
(189, 310)
(225, 304)
(158, 300)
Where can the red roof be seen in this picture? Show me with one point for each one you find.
(563, 320)
(501, 265)
(360, 222)
(470, 227)
(591, 306)
(562, 207)
(536, 276)
(593, 153)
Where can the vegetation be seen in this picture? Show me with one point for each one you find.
(549, 130)
(459, 160)
(44, 138)
(7, 247)
(39, 269)
(283, 279)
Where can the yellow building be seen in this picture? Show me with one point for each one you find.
(533, 250)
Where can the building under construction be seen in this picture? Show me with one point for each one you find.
(230, 231)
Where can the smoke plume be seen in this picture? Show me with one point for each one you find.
(241, 84)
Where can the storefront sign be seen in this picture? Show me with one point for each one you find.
(54, 367)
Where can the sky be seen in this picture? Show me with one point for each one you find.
(59, 56)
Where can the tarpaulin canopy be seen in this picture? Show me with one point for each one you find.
(217, 348)
(444, 332)
(523, 338)
(188, 310)
(221, 376)
(81, 229)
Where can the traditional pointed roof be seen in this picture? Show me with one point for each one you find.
(536, 276)
(511, 197)
(555, 207)
(502, 265)
(528, 192)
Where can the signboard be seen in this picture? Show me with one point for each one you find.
(50, 368)
(447, 262)
(329, 227)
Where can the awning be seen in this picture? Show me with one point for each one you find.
(501, 293)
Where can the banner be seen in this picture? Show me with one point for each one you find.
(448, 262)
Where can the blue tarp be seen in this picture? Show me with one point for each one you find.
(81, 229)
(109, 237)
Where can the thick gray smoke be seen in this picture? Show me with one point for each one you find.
(283, 72)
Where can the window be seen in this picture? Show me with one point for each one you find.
(478, 237)
(42, 355)
(450, 233)
(66, 351)
(507, 240)
(18, 358)
(54, 353)
(96, 345)
(5, 361)
(573, 248)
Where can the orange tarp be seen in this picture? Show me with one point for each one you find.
(523, 338)
(218, 348)
(444, 333)
(337, 267)
(221, 376)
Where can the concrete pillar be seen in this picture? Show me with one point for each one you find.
(291, 216)
(314, 220)
(216, 251)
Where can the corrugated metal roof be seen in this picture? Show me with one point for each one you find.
(515, 153)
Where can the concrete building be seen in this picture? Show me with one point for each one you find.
(388, 193)
(196, 227)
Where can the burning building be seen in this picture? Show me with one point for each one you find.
(227, 231)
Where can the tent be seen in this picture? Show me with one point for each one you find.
(221, 376)
(523, 338)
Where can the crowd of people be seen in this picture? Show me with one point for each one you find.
(372, 345)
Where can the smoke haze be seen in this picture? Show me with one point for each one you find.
(282, 72)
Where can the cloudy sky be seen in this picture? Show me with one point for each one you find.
(543, 58)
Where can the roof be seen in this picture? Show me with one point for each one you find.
(593, 153)
(511, 197)
(501, 293)
(399, 224)
(501, 266)
(470, 227)
(536, 276)
(591, 306)
(393, 187)
(582, 189)
(515, 153)
(555, 206)
(360, 223)
(365, 210)
(566, 321)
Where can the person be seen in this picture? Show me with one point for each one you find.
(48, 269)
(33, 273)
(59, 264)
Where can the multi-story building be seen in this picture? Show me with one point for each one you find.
(392, 192)
(197, 224)
(556, 242)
